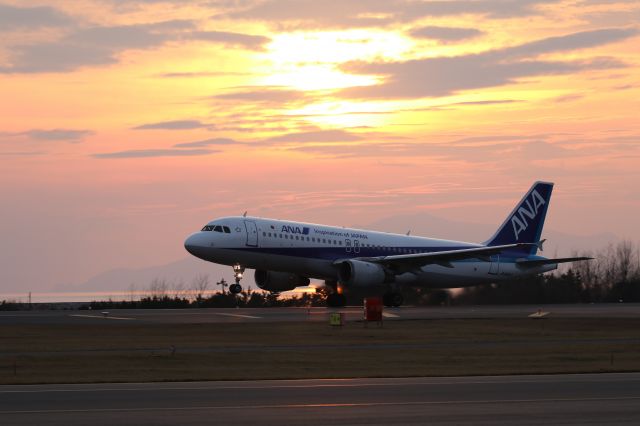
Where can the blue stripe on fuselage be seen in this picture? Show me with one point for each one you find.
(334, 253)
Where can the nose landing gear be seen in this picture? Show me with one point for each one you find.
(238, 271)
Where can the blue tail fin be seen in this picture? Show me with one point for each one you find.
(524, 224)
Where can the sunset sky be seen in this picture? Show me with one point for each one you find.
(127, 125)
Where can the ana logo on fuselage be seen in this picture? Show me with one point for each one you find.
(295, 229)
(519, 220)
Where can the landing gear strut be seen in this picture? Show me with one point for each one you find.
(392, 299)
(238, 270)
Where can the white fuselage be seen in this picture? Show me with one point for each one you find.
(311, 251)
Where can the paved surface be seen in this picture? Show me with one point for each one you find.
(220, 315)
(535, 400)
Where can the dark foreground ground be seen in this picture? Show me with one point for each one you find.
(602, 399)
(142, 347)
(277, 314)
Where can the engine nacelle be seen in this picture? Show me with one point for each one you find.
(277, 282)
(357, 273)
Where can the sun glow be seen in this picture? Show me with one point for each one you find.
(316, 77)
(344, 113)
(310, 61)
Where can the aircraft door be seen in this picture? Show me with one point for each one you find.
(494, 267)
(252, 233)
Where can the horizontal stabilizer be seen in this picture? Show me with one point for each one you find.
(541, 262)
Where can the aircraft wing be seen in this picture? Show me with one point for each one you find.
(541, 262)
(409, 262)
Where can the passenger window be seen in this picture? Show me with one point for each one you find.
(264, 234)
(297, 238)
(340, 242)
(324, 240)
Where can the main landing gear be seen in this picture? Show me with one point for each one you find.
(335, 299)
(238, 271)
(392, 299)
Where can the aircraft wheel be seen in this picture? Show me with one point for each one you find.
(235, 288)
(386, 300)
(392, 299)
(397, 299)
(335, 300)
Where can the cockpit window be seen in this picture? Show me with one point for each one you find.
(217, 228)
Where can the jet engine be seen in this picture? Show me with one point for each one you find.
(356, 273)
(277, 282)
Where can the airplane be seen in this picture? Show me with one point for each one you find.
(287, 254)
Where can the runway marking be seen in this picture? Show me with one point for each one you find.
(236, 315)
(307, 386)
(390, 315)
(101, 316)
(336, 405)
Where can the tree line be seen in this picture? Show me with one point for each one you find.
(613, 276)
(200, 297)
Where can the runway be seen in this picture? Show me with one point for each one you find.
(227, 315)
(532, 400)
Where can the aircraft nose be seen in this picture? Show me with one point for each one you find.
(192, 244)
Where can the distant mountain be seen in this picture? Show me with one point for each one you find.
(185, 270)
(180, 271)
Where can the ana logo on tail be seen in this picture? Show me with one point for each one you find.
(519, 220)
